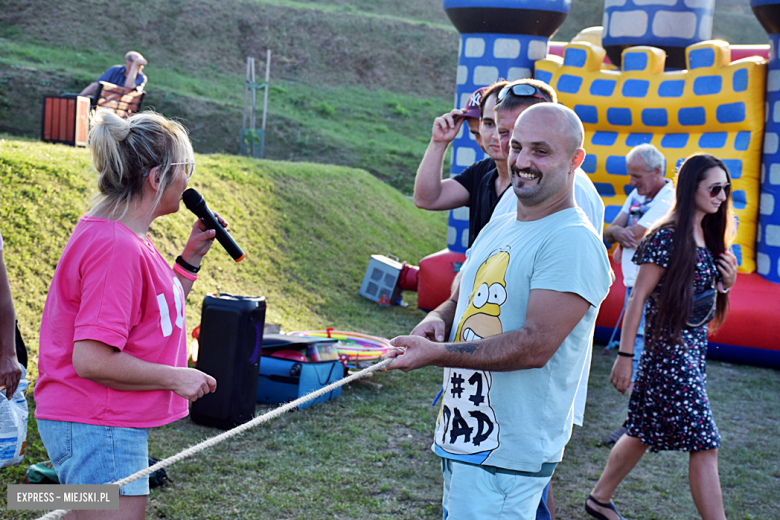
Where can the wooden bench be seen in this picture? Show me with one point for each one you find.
(117, 99)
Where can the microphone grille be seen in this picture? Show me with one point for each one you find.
(191, 198)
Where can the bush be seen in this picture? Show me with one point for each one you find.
(325, 109)
(399, 110)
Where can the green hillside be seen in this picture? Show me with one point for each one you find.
(308, 232)
(355, 82)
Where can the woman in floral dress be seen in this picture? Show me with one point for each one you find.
(683, 261)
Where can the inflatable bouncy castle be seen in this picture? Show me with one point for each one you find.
(654, 76)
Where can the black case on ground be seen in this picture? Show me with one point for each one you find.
(230, 342)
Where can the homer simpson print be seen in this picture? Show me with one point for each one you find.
(467, 425)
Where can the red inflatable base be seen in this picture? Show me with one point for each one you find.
(434, 281)
(750, 333)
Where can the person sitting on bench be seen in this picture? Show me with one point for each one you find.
(128, 77)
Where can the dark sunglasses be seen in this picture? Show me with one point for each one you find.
(715, 189)
(521, 90)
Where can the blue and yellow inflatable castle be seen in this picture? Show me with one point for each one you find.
(664, 82)
(713, 105)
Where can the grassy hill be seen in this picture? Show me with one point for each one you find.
(308, 231)
(355, 82)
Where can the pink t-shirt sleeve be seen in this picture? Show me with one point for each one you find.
(111, 287)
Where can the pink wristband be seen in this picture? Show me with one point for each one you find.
(180, 270)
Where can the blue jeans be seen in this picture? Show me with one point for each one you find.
(639, 342)
(89, 454)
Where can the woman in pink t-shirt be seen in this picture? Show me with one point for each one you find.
(113, 356)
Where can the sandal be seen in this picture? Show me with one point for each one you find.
(613, 437)
(595, 514)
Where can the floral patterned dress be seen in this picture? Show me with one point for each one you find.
(669, 408)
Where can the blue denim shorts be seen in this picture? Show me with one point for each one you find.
(89, 454)
(472, 491)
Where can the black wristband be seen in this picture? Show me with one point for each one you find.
(625, 354)
(188, 266)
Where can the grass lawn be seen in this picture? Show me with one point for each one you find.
(366, 455)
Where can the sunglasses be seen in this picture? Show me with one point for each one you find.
(521, 90)
(189, 167)
(715, 189)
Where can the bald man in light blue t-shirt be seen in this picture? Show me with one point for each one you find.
(519, 337)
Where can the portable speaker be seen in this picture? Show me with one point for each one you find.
(231, 337)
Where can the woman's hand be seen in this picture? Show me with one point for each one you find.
(192, 384)
(110, 367)
(727, 266)
(621, 373)
(200, 241)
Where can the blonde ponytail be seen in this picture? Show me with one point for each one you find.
(124, 151)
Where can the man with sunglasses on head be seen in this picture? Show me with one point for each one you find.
(479, 186)
(513, 100)
(652, 198)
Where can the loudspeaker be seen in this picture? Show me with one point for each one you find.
(230, 343)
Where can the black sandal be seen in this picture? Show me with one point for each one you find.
(595, 514)
(613, 437)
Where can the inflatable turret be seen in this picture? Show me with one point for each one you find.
(671, 25)
(768, 236)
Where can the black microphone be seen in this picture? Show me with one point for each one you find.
(195, 203)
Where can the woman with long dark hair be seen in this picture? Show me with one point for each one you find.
(686, 271)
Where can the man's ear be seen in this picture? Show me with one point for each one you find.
(579, 156)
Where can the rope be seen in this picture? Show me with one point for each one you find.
(273, 414)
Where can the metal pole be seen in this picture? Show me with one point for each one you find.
(267, 78)
(242, 145)
(265, 100)
(254, 96)
(246, 92)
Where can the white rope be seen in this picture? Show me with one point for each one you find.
(273, 414)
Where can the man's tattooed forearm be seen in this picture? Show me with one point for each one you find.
(462, 348)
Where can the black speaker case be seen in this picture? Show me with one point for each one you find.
(230, 345)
